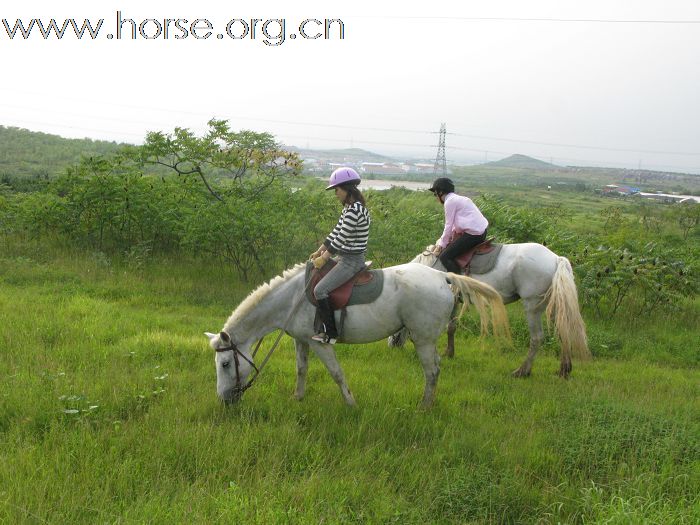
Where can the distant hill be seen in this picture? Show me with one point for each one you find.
(25, 153)
(523, 162)
(351, 155)
(29, 153)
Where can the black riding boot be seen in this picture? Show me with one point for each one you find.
(330, 333)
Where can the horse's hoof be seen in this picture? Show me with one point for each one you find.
(521, 373)
(565, 370)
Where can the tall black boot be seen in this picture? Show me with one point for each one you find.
(325, 311)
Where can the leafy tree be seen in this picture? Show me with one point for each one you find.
(688, 217)
(640, 281)
(220, 153)
(513, 224)
(403, 223)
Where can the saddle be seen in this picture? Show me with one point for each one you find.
(464, 261)
(340, 296)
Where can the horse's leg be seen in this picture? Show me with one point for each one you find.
(326, 354)
(451, 329)
(534, 307)
(302, 349)
(429, 358)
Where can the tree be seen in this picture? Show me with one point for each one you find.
(220, 153)
(688, 217)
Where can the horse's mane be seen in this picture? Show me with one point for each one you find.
(261, 291)
(426, 257)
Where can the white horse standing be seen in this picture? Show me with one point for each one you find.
(414, 296)
(545, 283)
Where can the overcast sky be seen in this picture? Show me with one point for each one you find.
(573, 82)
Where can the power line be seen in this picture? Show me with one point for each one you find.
(577, 146)
(452, 147)
(381, 129)
(561, 160)
(371, 142)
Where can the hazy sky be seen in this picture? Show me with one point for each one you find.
(575, 82)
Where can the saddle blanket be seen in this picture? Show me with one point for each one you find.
(484, 262)
(361, 293)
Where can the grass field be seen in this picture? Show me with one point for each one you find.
(108, 414)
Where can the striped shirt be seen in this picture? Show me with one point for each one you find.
(351, 233)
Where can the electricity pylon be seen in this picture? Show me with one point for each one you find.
(440, 161)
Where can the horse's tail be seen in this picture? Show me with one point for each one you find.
(563, 310)
(486, 300)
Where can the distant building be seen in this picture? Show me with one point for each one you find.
(336, 165)
(618, 190)
(669, 199)
(383, 168)
(421, 167)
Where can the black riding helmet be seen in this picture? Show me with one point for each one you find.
(442, 186)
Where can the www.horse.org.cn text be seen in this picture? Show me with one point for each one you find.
(270, 31)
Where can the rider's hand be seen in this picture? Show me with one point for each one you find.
(437, 249)
(319, 262)
(321, 250)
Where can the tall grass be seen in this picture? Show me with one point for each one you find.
(108, 414)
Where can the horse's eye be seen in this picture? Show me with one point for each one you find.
(225, 364)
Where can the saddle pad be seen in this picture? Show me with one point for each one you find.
(361, 293)
(484, 262)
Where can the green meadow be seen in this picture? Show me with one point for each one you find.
(114, 261)
(108, 414)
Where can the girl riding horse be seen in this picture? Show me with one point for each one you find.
(348, 241)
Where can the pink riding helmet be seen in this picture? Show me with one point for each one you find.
(343, 176)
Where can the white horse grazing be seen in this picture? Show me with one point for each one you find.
(545, 283)
(414, 296)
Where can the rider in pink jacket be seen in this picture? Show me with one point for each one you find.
(465, 225)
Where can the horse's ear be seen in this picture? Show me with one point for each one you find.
(225, 337)
(210, 336)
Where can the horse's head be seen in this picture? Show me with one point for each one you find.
(233, 366)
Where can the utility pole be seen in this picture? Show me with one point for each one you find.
(440, 166)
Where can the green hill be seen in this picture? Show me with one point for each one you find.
(523, 161)
(25, 153)
(340, 155)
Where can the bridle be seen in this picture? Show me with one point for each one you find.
(238, 354)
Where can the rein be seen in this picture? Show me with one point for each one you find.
(237, 354)
(426, 253)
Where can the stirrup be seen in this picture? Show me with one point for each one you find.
(323, 338)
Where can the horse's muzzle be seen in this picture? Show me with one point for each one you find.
(231, 396)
